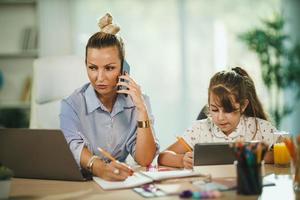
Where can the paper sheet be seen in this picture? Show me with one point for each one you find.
(140, 178)
(161, 175)
(132, 181)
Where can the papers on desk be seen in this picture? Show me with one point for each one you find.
(140, 178)
(157, 176)
(132, 181)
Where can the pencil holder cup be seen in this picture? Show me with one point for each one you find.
(249, 179)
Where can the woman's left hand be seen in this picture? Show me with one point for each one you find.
(134, 90)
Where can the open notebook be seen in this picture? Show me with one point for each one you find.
(140, 178)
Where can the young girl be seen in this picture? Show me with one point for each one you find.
(235, 112)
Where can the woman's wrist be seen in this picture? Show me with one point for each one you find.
(141, 108)
(98, 167)
(142, 113)
(144, 124)
(91, 162)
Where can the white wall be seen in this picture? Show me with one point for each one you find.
(292, 16)
(172, 46)
(55, 27)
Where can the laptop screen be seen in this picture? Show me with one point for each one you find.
(37, 153)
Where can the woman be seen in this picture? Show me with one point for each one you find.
(99, 115)
(235, 112)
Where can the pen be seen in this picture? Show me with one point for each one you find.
(183, 142)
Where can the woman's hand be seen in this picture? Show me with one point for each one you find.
(134, 90)
(188, 161)
(113, 171)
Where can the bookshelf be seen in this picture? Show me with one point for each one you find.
(18, 49)
(17, 55)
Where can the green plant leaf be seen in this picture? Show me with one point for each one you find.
(279, 59)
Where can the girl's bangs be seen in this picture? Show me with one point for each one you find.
(224, 99)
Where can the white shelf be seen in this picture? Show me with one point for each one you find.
(15, 104)
(31, 54)
(13, 2)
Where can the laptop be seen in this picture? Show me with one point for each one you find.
(39, 154)
(213, 154)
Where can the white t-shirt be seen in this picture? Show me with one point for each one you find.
(205, 131)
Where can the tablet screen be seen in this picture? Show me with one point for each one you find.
(213, 154)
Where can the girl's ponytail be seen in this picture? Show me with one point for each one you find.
(254, 109)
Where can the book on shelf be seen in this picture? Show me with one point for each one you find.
(29, 39)
(26, 93)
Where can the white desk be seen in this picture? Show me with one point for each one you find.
(49, 189)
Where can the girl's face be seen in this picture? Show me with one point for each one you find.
(227, 122)
(103, 68)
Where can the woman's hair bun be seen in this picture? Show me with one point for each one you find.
(106, 26)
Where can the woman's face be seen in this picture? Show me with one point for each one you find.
(103, 68)
(227, 122)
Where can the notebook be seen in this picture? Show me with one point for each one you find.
(140, 178)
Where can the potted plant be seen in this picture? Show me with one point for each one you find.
(5, 180)
(279, 59)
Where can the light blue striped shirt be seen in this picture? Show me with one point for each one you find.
(85, 121)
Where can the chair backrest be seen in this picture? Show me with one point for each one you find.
(53, 79)
(203, 113)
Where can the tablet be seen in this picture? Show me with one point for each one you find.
(213, 154)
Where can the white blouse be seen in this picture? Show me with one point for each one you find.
(205, 131)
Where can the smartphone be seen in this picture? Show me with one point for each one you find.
(124, 69)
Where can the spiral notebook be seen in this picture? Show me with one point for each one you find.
(141, 178)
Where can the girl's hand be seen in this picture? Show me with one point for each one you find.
(113, 171)
(188, 161)
(134, 90)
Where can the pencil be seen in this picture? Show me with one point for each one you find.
(258, 153)
(183, 142)
(106, 154)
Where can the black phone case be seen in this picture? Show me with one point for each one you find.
(125, 69)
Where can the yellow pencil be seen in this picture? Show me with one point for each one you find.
(106, 154)
(183, 142)
(258, 153)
